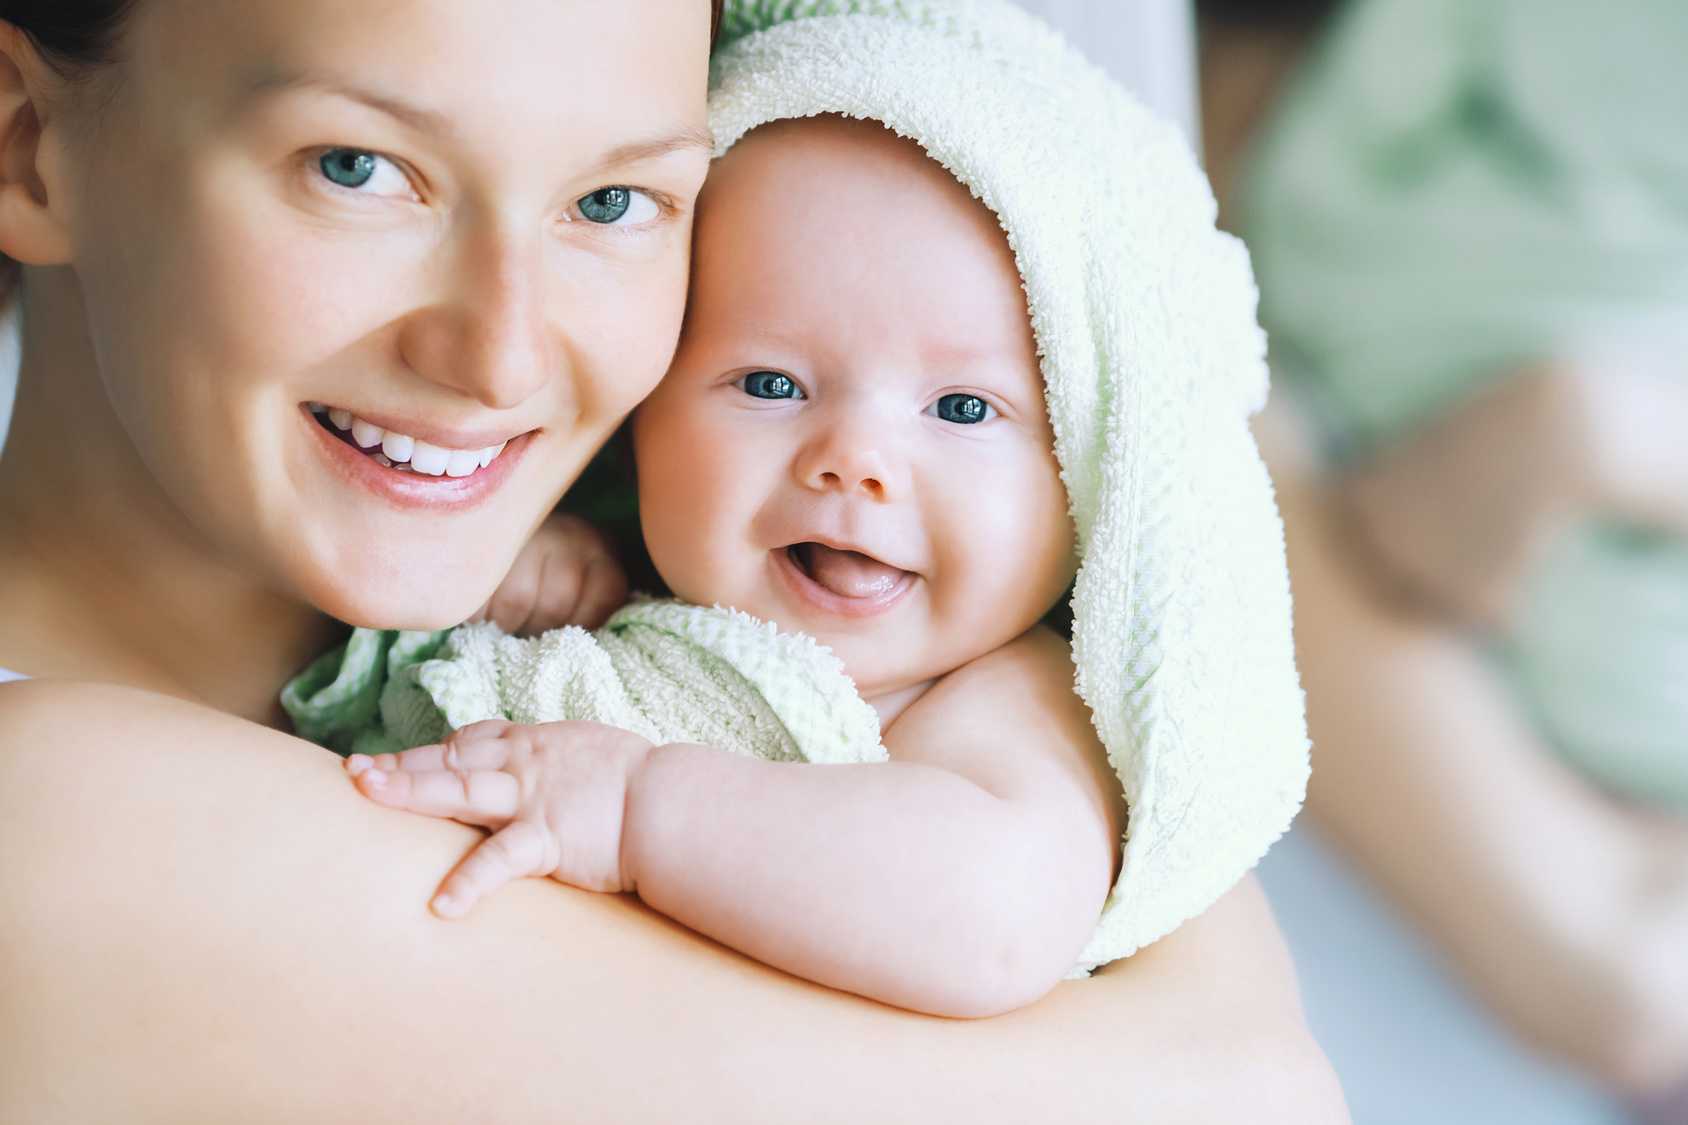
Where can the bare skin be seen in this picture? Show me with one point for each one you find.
(183, 939)
(229, 978)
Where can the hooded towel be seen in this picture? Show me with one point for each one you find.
(1153, 363)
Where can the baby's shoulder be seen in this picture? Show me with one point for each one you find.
(1025, 687)
(1035, 667)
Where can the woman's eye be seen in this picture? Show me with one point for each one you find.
(361, 171)
(770, 384)
(618, 206)
(966, 410)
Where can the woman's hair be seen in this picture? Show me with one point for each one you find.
(80, 34)
(70, 34)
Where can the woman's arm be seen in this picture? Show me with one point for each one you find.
(1560, 907)
(203, 921)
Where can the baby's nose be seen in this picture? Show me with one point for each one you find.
(849, 463)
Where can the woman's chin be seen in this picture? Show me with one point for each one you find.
(370, 574)
(421, 601)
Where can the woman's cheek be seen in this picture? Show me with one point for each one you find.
(622, 319)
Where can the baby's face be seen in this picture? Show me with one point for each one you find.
(852, 441)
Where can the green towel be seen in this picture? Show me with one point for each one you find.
(666, 670)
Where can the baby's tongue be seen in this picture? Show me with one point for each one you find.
(846, 573)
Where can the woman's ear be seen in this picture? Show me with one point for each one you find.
(32, 230)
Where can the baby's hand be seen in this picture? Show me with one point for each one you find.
(552, 795)
(565, 575)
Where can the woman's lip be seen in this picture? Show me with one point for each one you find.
(413, 491)
(825, 600)
(445, 438)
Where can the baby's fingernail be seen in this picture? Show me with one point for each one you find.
(357, 763)
(444, 905)
(374, 779)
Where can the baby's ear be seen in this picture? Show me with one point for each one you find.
(32, 229)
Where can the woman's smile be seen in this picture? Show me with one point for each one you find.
(394, 449)
(407, 472)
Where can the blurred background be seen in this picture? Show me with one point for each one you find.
(1469, 219)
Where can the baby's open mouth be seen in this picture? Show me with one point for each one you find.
(849, 574)
(394, 450)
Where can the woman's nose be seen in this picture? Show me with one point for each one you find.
(852, 459)
(487, 334)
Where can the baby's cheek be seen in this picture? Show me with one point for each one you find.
(682, 516)
(1013, 547)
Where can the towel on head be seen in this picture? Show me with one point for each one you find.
(1152, 361)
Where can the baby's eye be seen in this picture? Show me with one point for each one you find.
(618, 206)
(770, 384)
(966, 410)
(365, 172)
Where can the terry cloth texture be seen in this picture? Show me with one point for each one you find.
(1153, 363)
(1457, 187)
(668, 671)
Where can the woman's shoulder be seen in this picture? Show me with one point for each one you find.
(172, 875)
(58, 717)
(222, 882)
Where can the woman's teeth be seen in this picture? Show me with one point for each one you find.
(405, 453)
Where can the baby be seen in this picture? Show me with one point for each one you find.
(853, 443)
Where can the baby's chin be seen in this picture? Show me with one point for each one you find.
(881, 662)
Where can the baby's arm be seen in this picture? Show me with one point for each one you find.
(961, 878)
(566, 574)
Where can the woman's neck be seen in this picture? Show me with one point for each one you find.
(101, 576)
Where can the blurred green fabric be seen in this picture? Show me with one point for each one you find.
(1452, 188)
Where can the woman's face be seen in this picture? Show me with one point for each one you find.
(464, 226)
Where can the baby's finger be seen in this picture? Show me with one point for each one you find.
(603, 591)
(517, 851)
(484, 797)
(514, 599)
(458, 754)
(485, 729)
(557, 594)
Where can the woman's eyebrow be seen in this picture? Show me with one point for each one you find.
(692, 137)
(269, 83)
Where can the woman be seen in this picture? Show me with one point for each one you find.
(468, 224)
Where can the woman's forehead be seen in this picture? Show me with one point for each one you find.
(447, 64)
